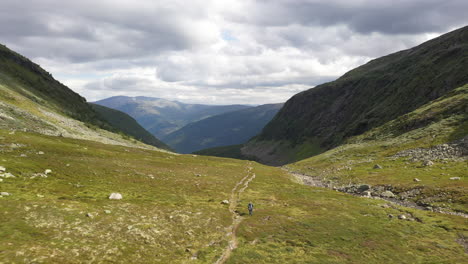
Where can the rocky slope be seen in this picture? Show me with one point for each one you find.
(366, 97)
(161, 117)
(231, 128)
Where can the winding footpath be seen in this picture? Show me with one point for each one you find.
(236, 218)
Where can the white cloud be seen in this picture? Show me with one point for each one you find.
(217, 52)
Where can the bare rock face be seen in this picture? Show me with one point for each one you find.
(115, 196)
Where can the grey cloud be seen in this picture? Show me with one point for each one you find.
(388, 17)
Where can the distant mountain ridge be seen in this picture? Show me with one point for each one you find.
(230, 128)
(366, 97)
(160, 116)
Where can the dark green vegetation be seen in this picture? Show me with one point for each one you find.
(31, 81)
(161, 117)
(171, 211)
(364, 98)
(128, 125)
(230, 128)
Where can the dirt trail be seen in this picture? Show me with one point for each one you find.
(236, 218)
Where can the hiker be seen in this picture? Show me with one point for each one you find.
(250, 207)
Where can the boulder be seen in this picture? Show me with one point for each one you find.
(115, 196)
(47, 171)
(377, 166)
(107, 211)
(40, 153)
(225, 202)
(4, 194)
(416, 180)
(362, 188)
(427, 163)
(367, 193)
(387, 194)
(455, 178)
(2, 169)
(402, 217)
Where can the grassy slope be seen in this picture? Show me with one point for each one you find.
(441, 121)
(230, 128)
(364, 98)
(128, 125)
(31, 81)
(171, 211)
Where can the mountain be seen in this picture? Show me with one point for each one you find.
(34, 83)
(231, 128)
(57, 174)
(128, 125)
(161, 117)
(366, 97)
(31, 100)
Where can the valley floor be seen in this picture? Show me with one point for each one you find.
(172, 211)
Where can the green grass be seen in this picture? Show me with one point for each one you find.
(437, 122)
(171, 211)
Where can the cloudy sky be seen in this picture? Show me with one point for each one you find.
(215, 51)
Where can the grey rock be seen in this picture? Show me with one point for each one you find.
(367, 194)
(427, 163)
(416, 180)
(115, 196)
(402, 217)
(455, 178)
(363, 187)
(2, 169)
(390, 216)
(377, 166)
(225, 202)
(4, 194)
(40, 153)
(89, 215)
(107, 211)
(387, 194)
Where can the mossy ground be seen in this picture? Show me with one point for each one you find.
(171, 212)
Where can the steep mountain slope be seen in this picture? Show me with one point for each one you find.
(128, 125)
(364, 98)
(161, 117)
(221, 130)
(31, 81)
(422, 157)
(32, 100)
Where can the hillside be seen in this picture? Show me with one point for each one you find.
(172, 211)
(32, 100)
(364, 98)
(231, 128)
(161, 117)
(31, 81)
(128, 125)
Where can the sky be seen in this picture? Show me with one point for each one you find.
(215, 51)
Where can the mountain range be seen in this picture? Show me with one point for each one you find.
(160, 116)
(230, 128)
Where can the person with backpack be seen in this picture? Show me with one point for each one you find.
(250, 207)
